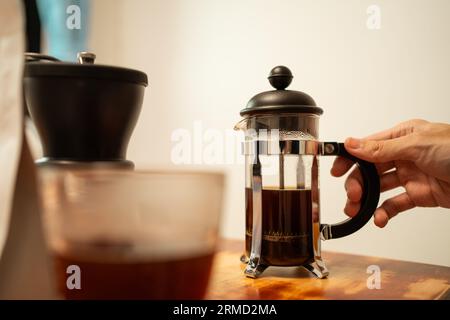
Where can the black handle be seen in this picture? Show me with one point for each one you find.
(369, 199)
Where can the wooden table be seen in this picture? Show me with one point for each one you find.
(347, 279)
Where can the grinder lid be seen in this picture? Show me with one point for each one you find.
(39, 65)
(281, 100)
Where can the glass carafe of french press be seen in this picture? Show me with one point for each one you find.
(282, 194)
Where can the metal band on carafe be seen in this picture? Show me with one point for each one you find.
(277, 147)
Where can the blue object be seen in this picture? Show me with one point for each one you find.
(66, 25)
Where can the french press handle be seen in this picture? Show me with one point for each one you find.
(369, 199)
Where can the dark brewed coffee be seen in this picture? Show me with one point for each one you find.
(185, 278)
(286, 226)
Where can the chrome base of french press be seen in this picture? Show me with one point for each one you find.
(254, 268)
(316, 267)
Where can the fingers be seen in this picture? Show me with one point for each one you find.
(401, 129)
(353, 184)
(383, 149)
(351, 208)
(354, 189)
(340, 166)
(382, 135)
(384, 166)
(402, 148)
(395, 143)
(389, 181)
(391, 207)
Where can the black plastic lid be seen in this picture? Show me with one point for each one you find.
(281, 100)
(44, 66)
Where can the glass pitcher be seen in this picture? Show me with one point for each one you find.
(282, 197)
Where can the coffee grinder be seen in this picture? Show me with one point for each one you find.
(84, 113)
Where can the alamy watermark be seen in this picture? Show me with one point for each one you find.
(205, 146)
(209, 146)
(74, 279)
(373, 21)
(73, 20)
(374, 280)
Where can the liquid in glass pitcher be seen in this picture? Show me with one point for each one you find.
(282, 194)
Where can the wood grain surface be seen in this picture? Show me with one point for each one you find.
(347, 280)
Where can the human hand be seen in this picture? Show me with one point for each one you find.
(414, 155)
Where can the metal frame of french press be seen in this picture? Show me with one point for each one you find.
(369, 198)
(284, 147)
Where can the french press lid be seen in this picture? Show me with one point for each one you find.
(281, 100)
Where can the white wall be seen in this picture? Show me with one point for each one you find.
(206, 58)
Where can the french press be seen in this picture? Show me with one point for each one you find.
(282, 197)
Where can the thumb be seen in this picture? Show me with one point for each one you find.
(382, 150)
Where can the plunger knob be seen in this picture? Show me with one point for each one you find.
(280, 77)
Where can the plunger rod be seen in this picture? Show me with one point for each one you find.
(281, 170)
